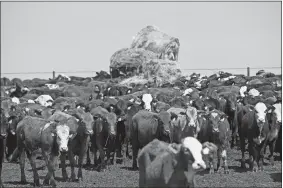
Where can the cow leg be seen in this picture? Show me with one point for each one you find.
(95, 161)
(271, 148)
(51, 169)
(45, 157)
(22, 166)
(102, 165)
(111, 150)
(135, 155)
(81, 157)
(63, 166)
(253, 158)
(1, 184)
(118, 143)
(31, 156)
(210, 158)
(243, 149)
(72, 163)
(219, 151)
(225, 163)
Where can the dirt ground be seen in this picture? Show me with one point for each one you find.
(121, 175)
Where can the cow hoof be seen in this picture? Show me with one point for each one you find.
(36, 183)
(53, 183)
(65, 177)
(211, 171)
(119, 161)
(23, 181)
(226, 172)
(45, 182)
(80, 180)
(255, 169)
(135, 168)
(243, 165)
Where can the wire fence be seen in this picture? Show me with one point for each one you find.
(251, 71)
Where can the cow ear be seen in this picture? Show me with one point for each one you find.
(183, 113)
(251, 108)
(270, 109)
(173, 116)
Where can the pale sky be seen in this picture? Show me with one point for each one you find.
(82, 36)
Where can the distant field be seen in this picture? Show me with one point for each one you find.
(120, 175)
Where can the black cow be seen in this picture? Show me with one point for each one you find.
(3, 134)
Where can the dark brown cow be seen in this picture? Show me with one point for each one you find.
(3, 134)
(146, 127)
(214, 127)
(105, 131)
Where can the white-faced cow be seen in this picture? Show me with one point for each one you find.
(255, 129)
(172, 165)
(34, 133)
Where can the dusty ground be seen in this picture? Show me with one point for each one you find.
(120, 175)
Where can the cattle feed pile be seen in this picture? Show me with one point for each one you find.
(153, 56)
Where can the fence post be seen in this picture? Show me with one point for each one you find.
(53, 75)
(248, 71)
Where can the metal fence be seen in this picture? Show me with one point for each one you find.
(251, 71)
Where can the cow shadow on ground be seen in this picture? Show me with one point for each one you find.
(58, 178)
(239, 169)
(128, 168)
(277, 158)
(43, 167)
(277, 177)
(28, 184)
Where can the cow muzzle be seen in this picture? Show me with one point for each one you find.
(89, 132)
(198, 165)
(12, 132)
(64, 149)
(3, 135)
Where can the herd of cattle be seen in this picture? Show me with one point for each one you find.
(176, 127)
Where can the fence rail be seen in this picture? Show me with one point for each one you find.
(240, 70)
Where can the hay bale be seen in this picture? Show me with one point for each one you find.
(152, 39)
(161, 71)
(127, 57)
(134, 80)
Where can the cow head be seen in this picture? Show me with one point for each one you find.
(191, 115)
(111, 119)
(86, 122)
(62, 133)
(165, 118)
(260, 110)
(274, 116)
(191, 153)
(15, 116)
(146, 101)
(231, 102)
(4, 124)
(215, 118)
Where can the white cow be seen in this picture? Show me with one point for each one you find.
(52, 86)
(254, 93)
(44, 100)
(16, 100)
